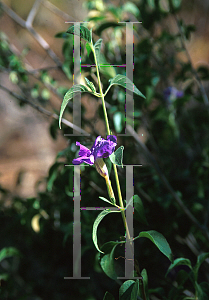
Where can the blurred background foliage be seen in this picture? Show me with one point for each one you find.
(36, 69)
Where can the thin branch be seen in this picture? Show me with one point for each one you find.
(32, 13)
(36, 35)
(42, 110)
(57, 11)
(199, 82)
(166, 183)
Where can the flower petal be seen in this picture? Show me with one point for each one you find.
(112, 138)
(84, 151)
(83, 159)
(104, 148)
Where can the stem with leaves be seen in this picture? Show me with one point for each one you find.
(122, 209)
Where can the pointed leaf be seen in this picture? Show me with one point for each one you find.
(107, 247)
(107, 263)
(90, 85)
(108, 296)
(97, 48)
(81, 31)
(180, 262)
(126, 83)
(8, 252)
(74, 90)
(105, 68)
(202, 290)
(159, 240)
(201, 258)
(96, 224)
(88, 48)
(129, 290)
(104, 199)
(145, 282)
(139, 213)
(117, 156)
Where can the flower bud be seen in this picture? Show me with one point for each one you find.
(101, 167)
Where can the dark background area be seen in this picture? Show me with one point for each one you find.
(36, 70)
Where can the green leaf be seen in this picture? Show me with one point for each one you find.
(180, 262)
(88, 48)
(145, 282)
(159, 240)
(105, 68)
(97, 48)
(4, 276)
(108, 296)
(107, 247)
(106, 25)
(96, 224)
(200, 259)
(81, 30)
(131, 8)
(90, 85)
(53, 172)
(117, 156)
(107, 263)
(8, 252)
(75, 89)
(104, 199)
(139, 213)
(126, 83)
(129, 290)
(151, 3)
(202, 290)
(176, 3)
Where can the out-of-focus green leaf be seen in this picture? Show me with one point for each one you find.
(118, 119)
(131, 8)
(108, 296)
(180, 262)
(200, 259)
(8, 252)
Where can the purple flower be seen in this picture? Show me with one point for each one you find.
(171, 93)
(101, 149)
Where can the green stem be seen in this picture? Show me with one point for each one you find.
(121, 203)
(108, 132)
(110, 191)
(101, 93)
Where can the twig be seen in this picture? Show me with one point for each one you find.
(57, 11)
(42, 110)
(202, 90)
(166, 183)
(36, 35)
(32, 13)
